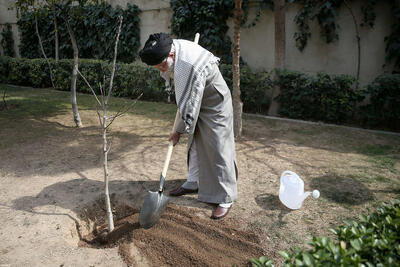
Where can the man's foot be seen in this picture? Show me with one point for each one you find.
(180, 191)
(220, 212)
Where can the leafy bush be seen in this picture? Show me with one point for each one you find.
(384, 107)
(322, 97)
(4, 68)
(7, 41)
(95, 27)
(255, 88)
(374, 241)
(130, 79)
(192, 16)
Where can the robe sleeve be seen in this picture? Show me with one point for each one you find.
(180, 124)
(194, 103)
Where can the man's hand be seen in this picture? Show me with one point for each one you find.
(174, 137)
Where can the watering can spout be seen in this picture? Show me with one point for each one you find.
(305, 195)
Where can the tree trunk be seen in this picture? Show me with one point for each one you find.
(358, 41)
(237, 103)
(279, 16)
(77, 118)
(42, 49)
(105, 165)
(56, 48)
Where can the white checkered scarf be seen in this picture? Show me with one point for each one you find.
(190, 75)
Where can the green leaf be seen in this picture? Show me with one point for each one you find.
(284, 254)
(356, 244)
(308, 259)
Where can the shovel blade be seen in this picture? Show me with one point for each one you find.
(153, 206)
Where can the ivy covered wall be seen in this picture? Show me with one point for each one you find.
(257, 43)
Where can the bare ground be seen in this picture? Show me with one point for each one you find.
(52, 214)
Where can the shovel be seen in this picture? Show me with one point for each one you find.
(155, 202)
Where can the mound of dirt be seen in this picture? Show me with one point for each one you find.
(180, 238)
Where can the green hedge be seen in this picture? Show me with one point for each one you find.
(384, 107)
(321, 97)
(130, 79)
(373, 241)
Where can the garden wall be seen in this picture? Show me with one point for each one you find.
(257, 45)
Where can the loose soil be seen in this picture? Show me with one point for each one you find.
(51, 176)
(180, 238)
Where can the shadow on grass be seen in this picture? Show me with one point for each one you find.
(342, 190)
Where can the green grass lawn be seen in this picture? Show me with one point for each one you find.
(24, 102)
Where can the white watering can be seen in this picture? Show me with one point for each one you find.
(291, 191)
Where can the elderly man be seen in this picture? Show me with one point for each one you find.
(205, 107)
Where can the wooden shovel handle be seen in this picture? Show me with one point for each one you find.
(170, 148)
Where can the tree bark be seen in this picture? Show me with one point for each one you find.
(279, 16)
(237, 103)
(56, 44)
(358, 40)
(44, 53)
(105, 165)
(77, 118)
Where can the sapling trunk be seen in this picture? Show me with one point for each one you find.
(105, 165)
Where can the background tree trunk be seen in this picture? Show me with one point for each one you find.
(77, 118)
(56, 43)
(358, 41)
(279, 16)
(237, 103)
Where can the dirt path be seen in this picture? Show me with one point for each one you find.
(51, 183)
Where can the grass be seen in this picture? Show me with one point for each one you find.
(26, 102)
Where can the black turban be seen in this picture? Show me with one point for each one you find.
(156, 49)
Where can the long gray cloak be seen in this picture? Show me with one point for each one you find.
(205, 104)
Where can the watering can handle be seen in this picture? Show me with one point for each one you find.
(286, 173)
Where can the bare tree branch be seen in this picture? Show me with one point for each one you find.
(123, 111)
(114, 60)
(98, 114)
(102, 92)
(88, 84)
(42, 49)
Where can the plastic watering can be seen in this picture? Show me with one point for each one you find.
(291, 191)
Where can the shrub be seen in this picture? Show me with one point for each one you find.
(374, 241)
(321, 97)
(4, 68)
(254, 88)
(384, 107)
(130, 79)
(7, 41)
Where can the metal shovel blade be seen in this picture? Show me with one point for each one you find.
(153, 206)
